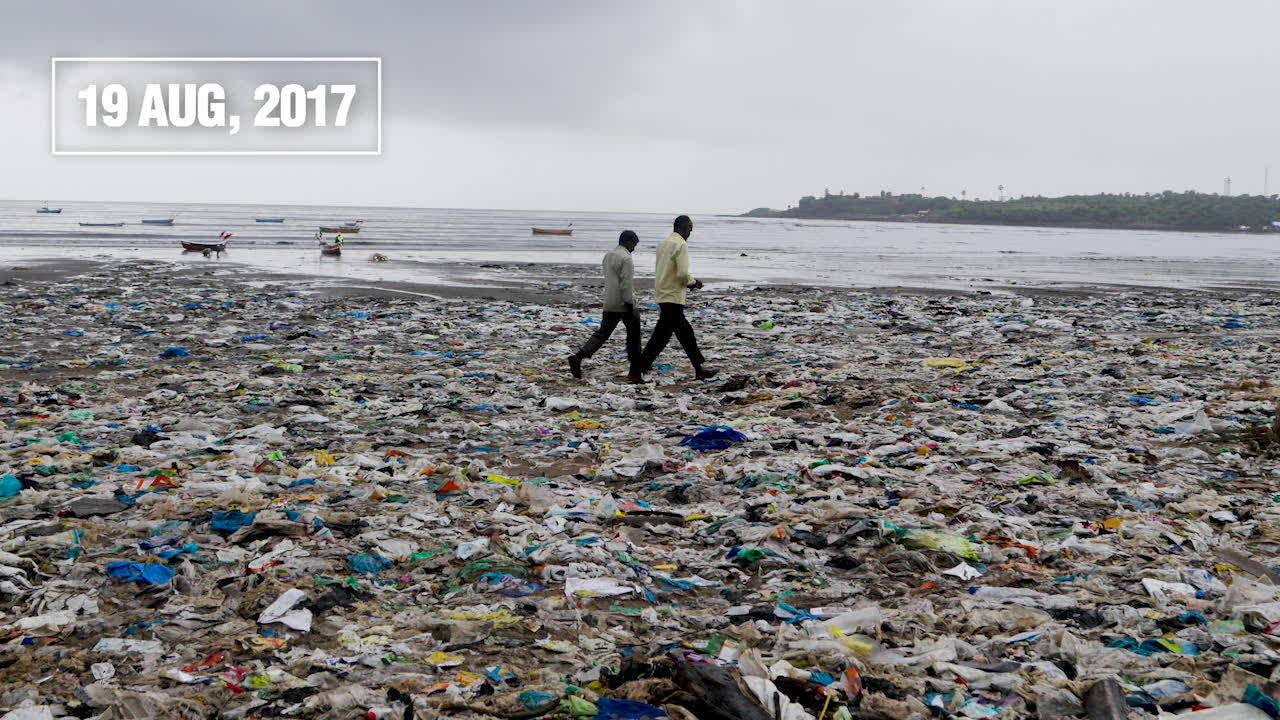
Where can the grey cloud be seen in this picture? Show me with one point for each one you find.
(765, 100)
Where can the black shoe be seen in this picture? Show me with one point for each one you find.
(704, 374)
(575, 366)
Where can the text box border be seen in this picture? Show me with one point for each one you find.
(53, 106)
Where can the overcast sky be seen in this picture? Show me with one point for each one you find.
(696, 106)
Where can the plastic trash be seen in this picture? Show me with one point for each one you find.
(611, 709)
(230, 521)
(285, 610)
(141, 573)
(346, 492)
(369, 563)
(719, 437)
(961, 547)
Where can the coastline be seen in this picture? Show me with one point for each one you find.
(914, 220)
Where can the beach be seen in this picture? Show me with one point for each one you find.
(368, 492)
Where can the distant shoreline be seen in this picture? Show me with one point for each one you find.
(1180, 212)
(913, 220)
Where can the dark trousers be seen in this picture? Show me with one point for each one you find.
(607, 325)
(671, 321)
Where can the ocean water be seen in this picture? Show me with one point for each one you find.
(729, 250)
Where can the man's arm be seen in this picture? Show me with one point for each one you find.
(682, 267)
(628, 281)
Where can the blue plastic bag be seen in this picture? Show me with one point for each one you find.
(175, 352)
(611, 709)
(532, 699)
(719, 437)
(140, 573)
(10, 486)
(369, 563)
(231, 520)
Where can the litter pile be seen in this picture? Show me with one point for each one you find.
(226, 497)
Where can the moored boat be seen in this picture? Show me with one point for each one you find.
(158, 221)
(272, 220)
(101, 224)
(554, 231)
(220, 245)
(46, 210)
(350, 228)
(199, 246)
(331, 249)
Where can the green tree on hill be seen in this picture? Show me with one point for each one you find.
(1168, 209)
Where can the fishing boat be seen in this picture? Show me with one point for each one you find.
(350, 228)
(97, 224)
(274, 220)
(330, 249)
(220, 245)
(554, 231)
(158, 221)
(46, 210)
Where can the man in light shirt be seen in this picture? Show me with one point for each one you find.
(672, 282)
(619, 307)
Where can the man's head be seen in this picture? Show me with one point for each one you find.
(684, 226)
(629, 240)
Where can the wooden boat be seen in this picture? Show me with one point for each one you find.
(159, 221)
(349, 228)
(220, 245)
(48, 210)
(85, 224)
(274, 220)
(199, 246)
(553, 231)
(326, 249)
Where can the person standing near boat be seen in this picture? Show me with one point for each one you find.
(672, 284)
(619, 307)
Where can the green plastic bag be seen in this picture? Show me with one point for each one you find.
(961, 547)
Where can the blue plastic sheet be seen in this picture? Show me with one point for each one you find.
(719, 437)
(9, 486)
(231, 520)
(1263, 702)
(532, 699)
(369, 563)
(143, 574)
(611, 709)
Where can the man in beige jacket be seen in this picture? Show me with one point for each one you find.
(672, 282)
(619, 307)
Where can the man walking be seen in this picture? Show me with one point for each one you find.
(619, 307)
(672, 282)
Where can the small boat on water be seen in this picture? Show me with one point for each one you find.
(159, 221)
(329, 247)
(554, 231)
(274, 220)
(98, 224)
(213, 246)
(46, 210)
(350, 228)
